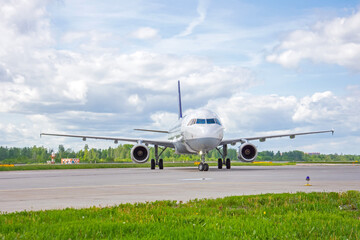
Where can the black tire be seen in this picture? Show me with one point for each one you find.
(152, 164)
(220, 163)
(206, 167)
(201, 167)
(228, 163)
(161, 164)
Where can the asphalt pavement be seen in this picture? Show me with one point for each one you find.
(79, 188)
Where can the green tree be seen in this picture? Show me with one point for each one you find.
(61, 151)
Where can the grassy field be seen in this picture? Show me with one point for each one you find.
(122, 165)
(269, 216)
(356, 162)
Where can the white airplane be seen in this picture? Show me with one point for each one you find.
(196, 133)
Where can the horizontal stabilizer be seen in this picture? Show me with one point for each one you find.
(150, 130)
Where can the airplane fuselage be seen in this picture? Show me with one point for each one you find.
(198, 132)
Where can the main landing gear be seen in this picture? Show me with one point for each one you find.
(223, 161)
(157, 161)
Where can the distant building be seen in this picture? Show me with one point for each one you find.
(70, 161)
(313, 153)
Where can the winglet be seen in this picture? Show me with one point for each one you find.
(180, 108)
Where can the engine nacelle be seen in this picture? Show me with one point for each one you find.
(140, 153)
(247, 152)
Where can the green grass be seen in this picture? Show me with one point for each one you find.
(268, 216)
(332, 162)
(122, 165)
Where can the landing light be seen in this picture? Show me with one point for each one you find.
(308, 181)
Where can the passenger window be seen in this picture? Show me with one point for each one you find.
(210, 121)
(200, 121)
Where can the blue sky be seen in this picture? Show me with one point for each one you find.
(104, 68)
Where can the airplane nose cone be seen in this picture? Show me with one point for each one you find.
(204, 144)
(205, 138)
(209, 132)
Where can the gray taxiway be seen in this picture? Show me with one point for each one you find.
(58, 189)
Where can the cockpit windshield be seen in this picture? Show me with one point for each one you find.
(204, 121)
(200, 121)
(210, 121)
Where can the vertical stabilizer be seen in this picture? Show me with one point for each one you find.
(180, 108)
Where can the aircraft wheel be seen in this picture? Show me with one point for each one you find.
(152, 163)
(201, 167)
(161, 164)
(206, 167)
(228, 163)
(220, 163)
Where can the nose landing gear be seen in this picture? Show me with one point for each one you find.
(203, 166)
(223, 161)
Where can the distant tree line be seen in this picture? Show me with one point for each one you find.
(122, 154)
(299, 156)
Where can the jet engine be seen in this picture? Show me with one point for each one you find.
(140, 153)
(247, 152)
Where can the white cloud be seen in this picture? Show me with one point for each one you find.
(332, 42)
(75, 90)
(201, 10)
(242, 113)
(23, 24)
(159, 72)
(24, 130)
(326, 109)
(135, 102)
(163, 120)
(145, 33)
(134, 99)
(13, 94)
(247, 115)
(318, 107)
(73, 36)
(42, 80)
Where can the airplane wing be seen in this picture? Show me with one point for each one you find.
(151, 130)
(164, 143)
(263, 138)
